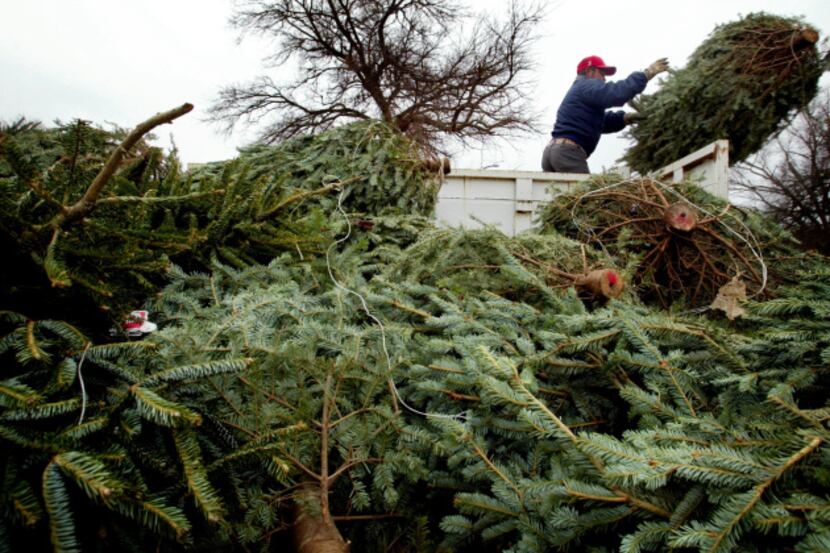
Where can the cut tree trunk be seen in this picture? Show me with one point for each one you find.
(602, 283)
(314, 530)
(681, 216)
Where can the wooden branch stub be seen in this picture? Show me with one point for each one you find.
(605, 283)
(436, 165)
(86, 204)
(680, 216)
(804, 38)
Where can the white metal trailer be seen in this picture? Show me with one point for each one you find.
(509, 199)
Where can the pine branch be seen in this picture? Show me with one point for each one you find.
(18, 393)
(31, 342)
(42, 411)
(155, 514)
(196, 476)
(156, 409)
(90, 474)
(201, 370)
(56, 500)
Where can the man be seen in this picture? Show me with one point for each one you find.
(582, 116)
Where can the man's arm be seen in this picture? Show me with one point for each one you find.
(614, 121)
(614, 94)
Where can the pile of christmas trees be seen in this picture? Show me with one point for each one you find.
(399, 387)
(148, 214)
(648, 371)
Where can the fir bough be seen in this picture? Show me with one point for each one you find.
(378, 168)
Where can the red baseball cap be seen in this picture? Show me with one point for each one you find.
(595, 61)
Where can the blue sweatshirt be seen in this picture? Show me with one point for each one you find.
(582, 116)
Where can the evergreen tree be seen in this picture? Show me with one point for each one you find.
(742, 83)
(683, 244)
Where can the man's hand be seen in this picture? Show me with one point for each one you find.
(657, 67)
(632, 117)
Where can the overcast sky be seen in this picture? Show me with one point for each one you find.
(121, 62)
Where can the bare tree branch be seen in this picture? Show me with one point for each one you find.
(410, 63)
(790, 178)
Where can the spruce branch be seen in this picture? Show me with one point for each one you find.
(55, 270)
(796, 411)
(89, 473)
(759, 492)
(398, 305)
(205, 496)
(155, 514)
(483, 456)
(160, 199)
(31, 342)
(196, 371)
(56, 501)
(298, 196)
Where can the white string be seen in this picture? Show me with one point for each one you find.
(377, 321)
(83, 388)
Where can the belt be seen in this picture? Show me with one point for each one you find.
(563, 140)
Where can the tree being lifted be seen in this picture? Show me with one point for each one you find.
(740, 84)
(394, 60)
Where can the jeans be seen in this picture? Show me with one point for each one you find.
(564, 158)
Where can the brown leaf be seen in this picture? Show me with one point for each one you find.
(729, 295)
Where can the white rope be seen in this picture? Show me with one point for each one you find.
(81, 380)
(377, 321)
